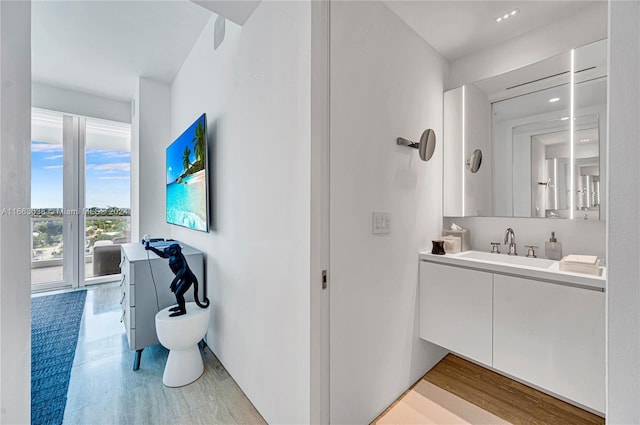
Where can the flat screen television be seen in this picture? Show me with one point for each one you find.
(187, 178)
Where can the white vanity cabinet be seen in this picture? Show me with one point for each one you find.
(456, 310)
(552, 336)
(521, 317)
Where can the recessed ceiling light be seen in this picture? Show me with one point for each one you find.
(554, 99)
(564, 118)
(507, 15)
(584, 140)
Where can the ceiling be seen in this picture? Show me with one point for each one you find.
(102, 47)
(458, 28)
(234, 10)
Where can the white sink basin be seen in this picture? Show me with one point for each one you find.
(508, 259)
(517, 265)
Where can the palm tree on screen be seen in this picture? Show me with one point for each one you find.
(198, 142)
(185, 158)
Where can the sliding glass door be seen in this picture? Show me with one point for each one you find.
(47, 222)
(80, 199)
(107, 196)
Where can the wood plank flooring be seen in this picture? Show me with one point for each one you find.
(475, 395)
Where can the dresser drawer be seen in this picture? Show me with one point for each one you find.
(125, 266)
(128, 317)
(131, 338)
(131, 312)
(129, 295)
(124, 318)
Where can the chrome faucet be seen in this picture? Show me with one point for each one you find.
(512, 245)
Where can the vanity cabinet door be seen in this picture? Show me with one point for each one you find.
(455, 310)
(552, 336)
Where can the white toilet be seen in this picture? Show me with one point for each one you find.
(181, 335)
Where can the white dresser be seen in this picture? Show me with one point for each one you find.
(145, 291)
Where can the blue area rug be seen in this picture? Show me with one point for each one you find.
(55, 322)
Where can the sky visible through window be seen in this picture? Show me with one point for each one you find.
(108, 175)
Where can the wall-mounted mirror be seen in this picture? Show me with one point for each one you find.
(541, 130)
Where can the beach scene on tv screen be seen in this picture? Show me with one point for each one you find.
(186, 179)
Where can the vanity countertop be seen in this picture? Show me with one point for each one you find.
(540, 269)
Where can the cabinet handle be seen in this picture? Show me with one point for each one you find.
(122, 317)
(124, 277)
(122, 299)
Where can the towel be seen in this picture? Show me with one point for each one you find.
(588, 264)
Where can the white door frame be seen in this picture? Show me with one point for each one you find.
(320, 275)
(73, 183)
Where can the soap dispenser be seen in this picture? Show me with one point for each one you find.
(553, 248)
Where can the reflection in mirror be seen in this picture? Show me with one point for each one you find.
(474, 161)
(542, 168)
(541, 162)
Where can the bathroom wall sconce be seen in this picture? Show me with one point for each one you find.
(426, 146)
(474, 161)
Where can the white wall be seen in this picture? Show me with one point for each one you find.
(15, 163)
(386, 82)
(73, 102)
(150, 136)
(255, 90)
(549, 40)
(623, 227)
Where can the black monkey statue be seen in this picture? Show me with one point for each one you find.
(183, 280)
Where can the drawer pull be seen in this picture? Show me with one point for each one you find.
(122, 317)
(124, 277)
(122, 299)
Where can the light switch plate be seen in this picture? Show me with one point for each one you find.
(381, 223)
